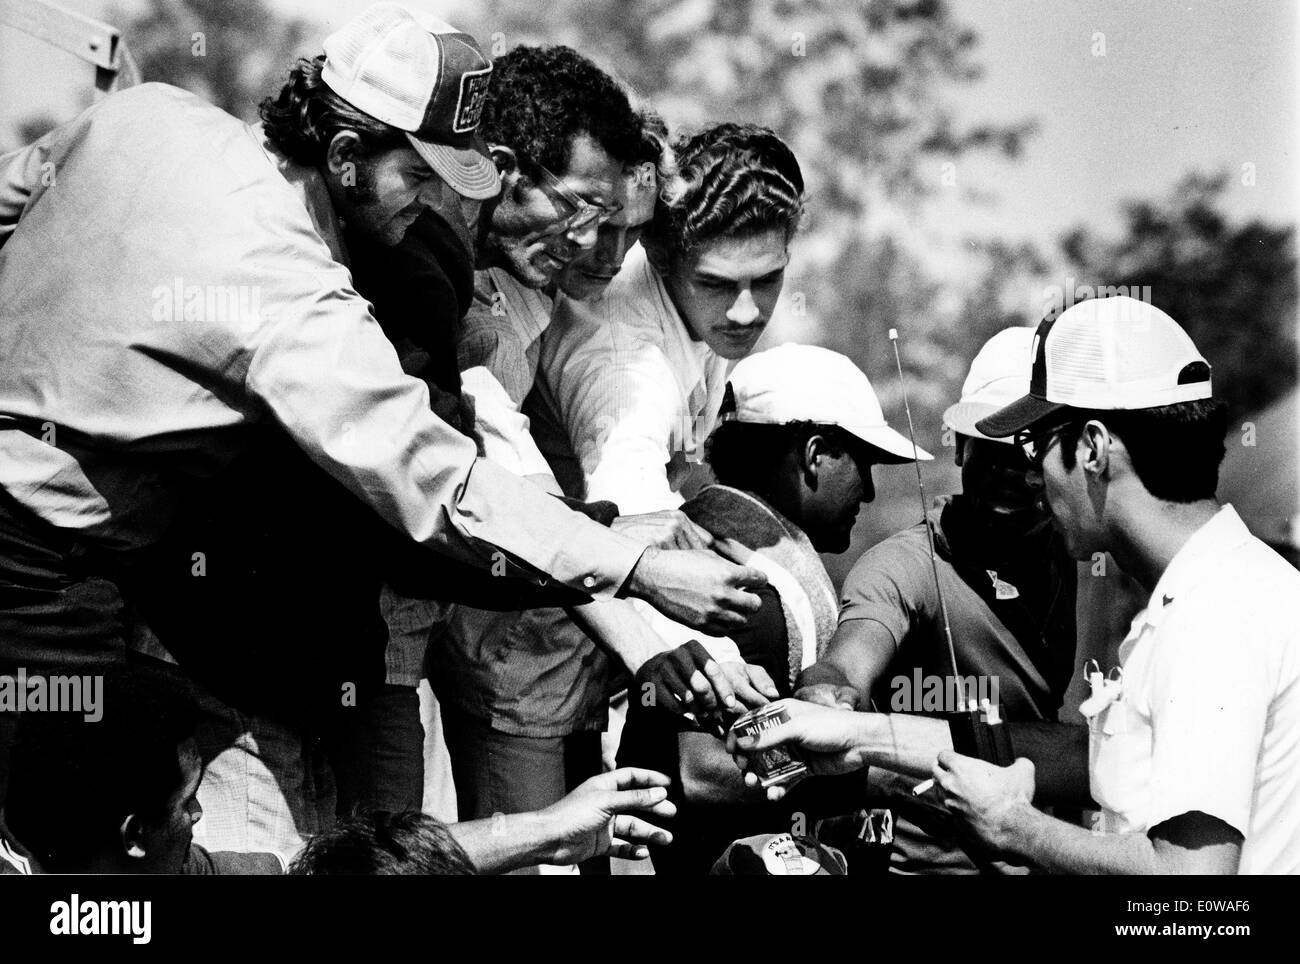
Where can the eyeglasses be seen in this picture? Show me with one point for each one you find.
(1036, 443)
(575, 211)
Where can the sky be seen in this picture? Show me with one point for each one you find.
(1128, 96)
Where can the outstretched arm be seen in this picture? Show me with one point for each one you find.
(599, 817)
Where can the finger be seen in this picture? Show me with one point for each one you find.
(748, 695)
(716, 679)
(630, 778)
(652, 800)
(627, 851)
(747, 577)
(636, 830)
(706, 701)
(691, 659)
(787, 732)
(946, 759)
(762, 681)
(721, 622)
(674, 681)
(774, 794)
(740, 602)
(702, 538)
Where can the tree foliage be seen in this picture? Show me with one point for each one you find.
(232, 52)
(1231, 286)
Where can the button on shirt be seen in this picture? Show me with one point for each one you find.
(1208, 718)
(167, 278)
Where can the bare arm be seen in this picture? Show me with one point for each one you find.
(995, 804)
(857, 656)
(1193, 843)
(709, 774)
(599, 817)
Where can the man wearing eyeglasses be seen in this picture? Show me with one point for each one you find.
(579, 174)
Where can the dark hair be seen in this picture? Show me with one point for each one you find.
(303, 119)
(749, 455)
(382, 843)
(1175, 449)
(73, 781)
(540, 98)
(733, 180)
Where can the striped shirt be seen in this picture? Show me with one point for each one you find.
(623, 367)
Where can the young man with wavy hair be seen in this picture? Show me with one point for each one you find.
(636, 378)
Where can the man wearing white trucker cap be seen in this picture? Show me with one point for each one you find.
(1008, 586)
(224, 303)
(800, 430)
(1195, 748)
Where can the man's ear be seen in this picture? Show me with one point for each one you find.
(506, 160)
(132, 835)
(1098, 446)
(810, 457)
(342, 154)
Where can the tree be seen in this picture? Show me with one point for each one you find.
(231, 52)
(1232, 287)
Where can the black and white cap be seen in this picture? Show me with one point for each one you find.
(1105, 354)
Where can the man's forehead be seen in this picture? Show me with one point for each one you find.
(752, 256)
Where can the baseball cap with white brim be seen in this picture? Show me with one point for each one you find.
(423, 76)
(805, 383)
(998, 376)
(1105, 354)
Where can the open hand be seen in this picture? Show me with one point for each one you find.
(600, 817)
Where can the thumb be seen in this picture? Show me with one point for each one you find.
(1025, 773)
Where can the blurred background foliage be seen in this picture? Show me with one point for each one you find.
(861, 90)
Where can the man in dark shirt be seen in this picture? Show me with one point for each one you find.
(1009, 588)
(801, 429)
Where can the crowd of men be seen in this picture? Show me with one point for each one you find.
(447, 370)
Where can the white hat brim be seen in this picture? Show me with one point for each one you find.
(467, 172)
(961, 418)
(887, 440)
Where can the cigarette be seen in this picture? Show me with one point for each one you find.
(921, 788)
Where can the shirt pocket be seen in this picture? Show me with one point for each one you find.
(1119, 765)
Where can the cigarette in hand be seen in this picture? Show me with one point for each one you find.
(922, 787)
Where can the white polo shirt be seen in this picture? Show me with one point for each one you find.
(1209, 714)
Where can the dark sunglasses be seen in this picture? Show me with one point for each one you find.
(1034, 443)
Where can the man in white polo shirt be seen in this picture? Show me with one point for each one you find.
(1195, 752)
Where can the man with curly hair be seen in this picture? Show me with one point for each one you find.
(212, 301)
(526, 696)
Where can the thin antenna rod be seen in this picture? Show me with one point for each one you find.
(934, 565)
